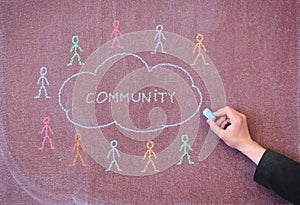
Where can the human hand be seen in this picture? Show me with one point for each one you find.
(231, 126)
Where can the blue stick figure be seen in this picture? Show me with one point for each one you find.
(184, 146)
(158, 36)
(74, 48)
(42, 79)
(113, 150)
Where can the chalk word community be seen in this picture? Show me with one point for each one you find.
(139, 97)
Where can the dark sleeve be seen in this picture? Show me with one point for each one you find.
(280, 174)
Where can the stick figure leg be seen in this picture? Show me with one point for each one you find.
(79, 59)
(181, 159)
(43, 143)
(39, 95)
(118, 166)
(196, 59)
(71, 61)
(82, 161)
(74, 161)
(50, 141)
(162, 47)
(155, 49)
(45, 92)
(203, 59)
(109, 168)
(153, 165)
(145, 167)
(113, 43)
(189, 159)
(119, 45)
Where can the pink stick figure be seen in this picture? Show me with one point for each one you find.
(116, 32)
(46, 127)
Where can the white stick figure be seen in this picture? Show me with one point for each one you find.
(42, 79)
(158, 36)
(113, 150)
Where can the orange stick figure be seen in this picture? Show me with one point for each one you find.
(150, 152)
(77, 146)
(200, 47)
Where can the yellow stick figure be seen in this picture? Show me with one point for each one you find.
(150, 152)
(200, 47)
(77, 146)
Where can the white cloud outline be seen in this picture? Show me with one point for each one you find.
(115, 122)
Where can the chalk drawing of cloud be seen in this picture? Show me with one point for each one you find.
(117, 123)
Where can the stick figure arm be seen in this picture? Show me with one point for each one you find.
(203, 47)
(118, 153)
(190, 148)
(47, 82)
(112, 33)
(181, 147)
(82, 147)
(51, 130)
(121, 35)
(80, 49)
(155, 37)
(145, 155)
(108, 154)
(195, 48)
(73, 149)
(42, 130)
(38, 82)
(154, 154)
(163, 36)
(72, 48)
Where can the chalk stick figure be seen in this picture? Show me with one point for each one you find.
(77, 146)
(200, 47)
(45, 129)
(112, 151)
(42, 79)
(150, 152)
(158, 36)
(116, 32)
(74, 48)
(185, 146)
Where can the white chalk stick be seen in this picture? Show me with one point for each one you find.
(208, 114)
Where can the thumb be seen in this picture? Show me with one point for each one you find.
(215, 128)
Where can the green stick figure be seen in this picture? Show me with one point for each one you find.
(184, 146)
(74, 48)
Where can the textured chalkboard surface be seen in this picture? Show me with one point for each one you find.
(245, 55)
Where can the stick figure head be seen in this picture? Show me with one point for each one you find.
(199, 37)
(77, 136)
(75, 39)
(185, 138)
(46, 120)
(150, 144)
(114, 143)
(159, 28)
(43, 70)
(116, 23)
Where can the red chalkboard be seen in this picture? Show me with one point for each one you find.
(101, 101)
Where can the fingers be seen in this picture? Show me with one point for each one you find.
(215, 128)
(229, 113)
(221, 120)
(221, 112)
